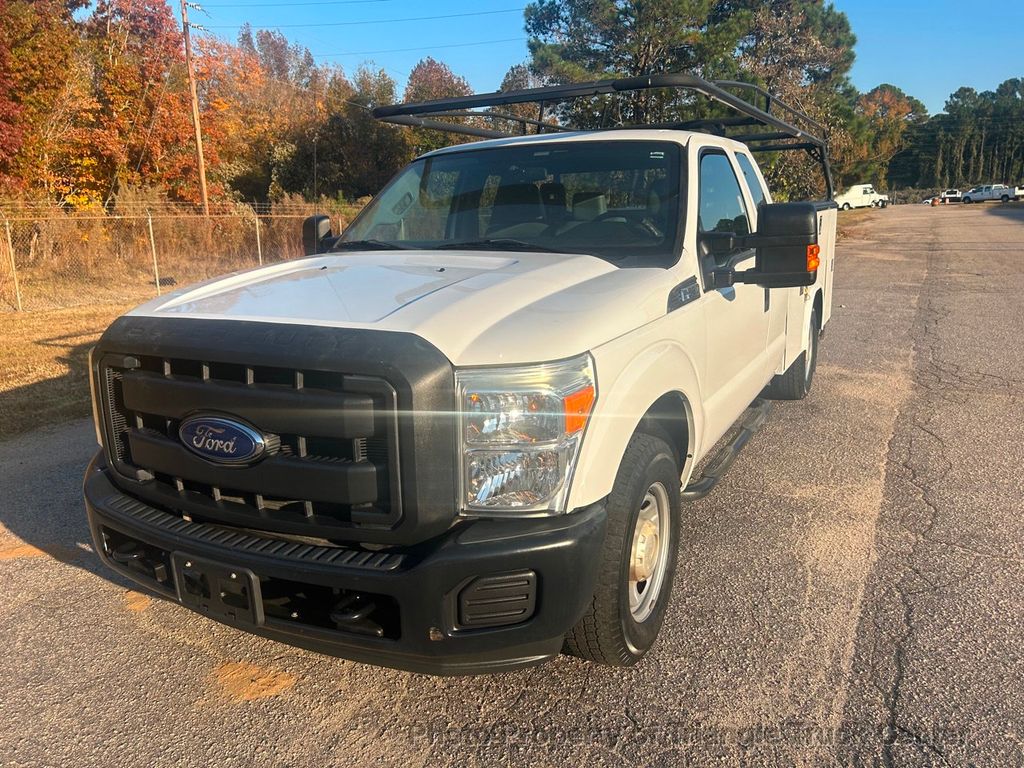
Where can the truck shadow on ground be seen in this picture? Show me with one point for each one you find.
(41, 471)
(1013, 211)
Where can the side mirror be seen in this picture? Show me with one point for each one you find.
(316, 231)
(787, 247)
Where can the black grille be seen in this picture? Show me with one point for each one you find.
(332, 463)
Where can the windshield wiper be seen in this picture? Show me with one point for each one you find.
(498, 244)
(367, 245)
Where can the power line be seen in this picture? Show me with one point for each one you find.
(421, 48)
(292, 5)
(377, 21)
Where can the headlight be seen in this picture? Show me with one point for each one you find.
(520, 433)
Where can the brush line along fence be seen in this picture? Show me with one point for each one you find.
(59, 261)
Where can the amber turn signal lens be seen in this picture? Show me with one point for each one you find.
(813, 257)
(577, 409)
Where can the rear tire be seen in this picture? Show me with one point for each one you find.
(796, 382)
(1004, 199)
(638, 558)
(846, 206)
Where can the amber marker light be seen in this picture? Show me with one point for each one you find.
(813, 257)
(577, 409)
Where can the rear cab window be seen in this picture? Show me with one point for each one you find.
(757, 190)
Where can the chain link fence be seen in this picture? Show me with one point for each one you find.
(52, 260)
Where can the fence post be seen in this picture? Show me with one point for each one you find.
(14, 268)
(259, 245)
(152, 246)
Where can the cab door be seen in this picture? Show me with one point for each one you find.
(737, 317)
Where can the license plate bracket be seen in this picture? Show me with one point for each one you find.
(223, 592)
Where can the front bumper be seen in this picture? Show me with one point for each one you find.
(423, 586)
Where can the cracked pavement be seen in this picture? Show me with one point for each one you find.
(851, 594)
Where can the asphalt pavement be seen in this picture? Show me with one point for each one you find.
(851, 594)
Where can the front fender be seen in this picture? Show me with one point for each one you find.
(629, 383)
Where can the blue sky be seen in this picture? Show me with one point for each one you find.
(926, 47)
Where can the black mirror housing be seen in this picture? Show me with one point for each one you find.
(786, 243)
(316, 231)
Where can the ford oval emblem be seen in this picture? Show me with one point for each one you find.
(222, 440)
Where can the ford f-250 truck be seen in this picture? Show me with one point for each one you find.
(458, 437)
(990, 192)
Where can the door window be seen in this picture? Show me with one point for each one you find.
(721, 201)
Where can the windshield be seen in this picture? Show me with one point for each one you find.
(616, 200)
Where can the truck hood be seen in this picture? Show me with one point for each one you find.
(478, 308)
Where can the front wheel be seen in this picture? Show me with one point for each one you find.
(638, 559)
(968, 200)
(795, 383)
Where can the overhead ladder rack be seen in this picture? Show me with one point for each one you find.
(772, 127)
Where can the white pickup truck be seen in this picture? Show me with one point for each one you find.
(861, 196)
(989, 192)
(457, 438)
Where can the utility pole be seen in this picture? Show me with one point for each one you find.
(195, 108)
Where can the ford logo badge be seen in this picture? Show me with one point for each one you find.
(222, 440)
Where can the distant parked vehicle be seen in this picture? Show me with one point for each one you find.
(950, 196)
(861, 196)
(999, 192)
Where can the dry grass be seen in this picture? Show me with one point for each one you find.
(43, 378)
(851, 221)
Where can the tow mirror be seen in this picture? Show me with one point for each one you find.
(786, 242)
(316, 234)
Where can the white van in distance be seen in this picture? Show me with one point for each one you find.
(861, 196)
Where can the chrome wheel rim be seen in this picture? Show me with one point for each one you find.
(648, 558)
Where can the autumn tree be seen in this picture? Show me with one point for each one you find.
(262, 99)
(883, 117)
(520, 77)
(431, 79)
(802, 51)
(46, 84)
(135, 49)
(11, 129)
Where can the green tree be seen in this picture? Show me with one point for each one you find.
(355, 154)
(979, 138)
(579, 40)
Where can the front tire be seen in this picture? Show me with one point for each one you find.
(638, 558)
(795, 383)
(968, 201)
